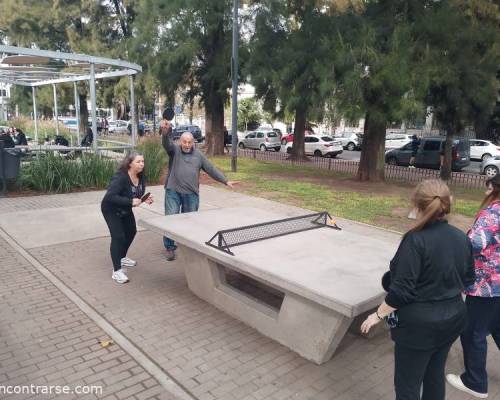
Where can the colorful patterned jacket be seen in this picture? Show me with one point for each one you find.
(485, 238)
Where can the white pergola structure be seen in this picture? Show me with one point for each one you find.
(34, 68)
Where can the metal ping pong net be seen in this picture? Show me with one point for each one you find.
(225, 239)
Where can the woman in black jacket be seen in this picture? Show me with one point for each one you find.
(432, 266)
(125, 191)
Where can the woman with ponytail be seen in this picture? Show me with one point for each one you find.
(431, 268)
(483, 297)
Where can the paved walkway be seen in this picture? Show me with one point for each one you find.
(168, 340)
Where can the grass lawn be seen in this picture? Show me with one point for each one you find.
(380, 204)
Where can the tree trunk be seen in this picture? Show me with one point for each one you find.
(445, 172)
(371, 163)
(214, 125)
(298, 151)
(481, 129)
(84, 115)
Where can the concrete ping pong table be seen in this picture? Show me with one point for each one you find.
(315, 282)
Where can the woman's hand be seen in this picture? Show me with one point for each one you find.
(136, 202)
(149, 200)
(369, 322)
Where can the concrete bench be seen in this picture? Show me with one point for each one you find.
(303, 290)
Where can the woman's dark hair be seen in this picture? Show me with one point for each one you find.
(495, 193)
(125, 164)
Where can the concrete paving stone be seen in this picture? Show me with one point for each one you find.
(40, 330)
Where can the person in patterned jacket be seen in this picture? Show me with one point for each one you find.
(483, 297)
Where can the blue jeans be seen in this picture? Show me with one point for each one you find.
(483, 314)
(176, 203)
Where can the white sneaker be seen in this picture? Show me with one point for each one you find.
(456, 382)
(128, 262)
(119, 276)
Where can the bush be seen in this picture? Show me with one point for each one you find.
(54, 173)
(155, 158)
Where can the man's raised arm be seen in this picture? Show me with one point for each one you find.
(166, 138)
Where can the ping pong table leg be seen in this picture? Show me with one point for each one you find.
(311, 329)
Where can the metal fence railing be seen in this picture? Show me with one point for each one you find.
(392, 172)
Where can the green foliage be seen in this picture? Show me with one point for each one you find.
(53, 173)
(186, 42)
(155, 158)
(459, 57)
(249, 114)
(290, 64)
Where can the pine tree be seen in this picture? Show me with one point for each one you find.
(189, 45)
(290, 60)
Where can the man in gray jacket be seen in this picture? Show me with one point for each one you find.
(183, 180)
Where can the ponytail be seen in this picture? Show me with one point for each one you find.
(432, 198)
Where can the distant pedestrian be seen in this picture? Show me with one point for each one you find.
(483, 297)
(432, 266)
(88, 138)
(21, 138)
(227, 142)
(415, 144)
(183, 180)
(126, 190)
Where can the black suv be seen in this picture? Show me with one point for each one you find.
(429, 153)
(194, 129)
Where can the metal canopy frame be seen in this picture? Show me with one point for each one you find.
(34, 68)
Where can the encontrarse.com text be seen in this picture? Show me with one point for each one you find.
(50, 389)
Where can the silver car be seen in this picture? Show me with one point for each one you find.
(350, 140)
(490, 167)
(262, 140)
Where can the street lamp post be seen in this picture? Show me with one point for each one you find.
(234, 105)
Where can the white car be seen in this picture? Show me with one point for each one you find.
(396, 140)
(118, 127)
(319, 146)
(483, 149)
(350, 140)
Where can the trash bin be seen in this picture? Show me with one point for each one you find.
(10, 162)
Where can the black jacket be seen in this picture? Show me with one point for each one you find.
(118, 197)
(428, 274)
(21, 139)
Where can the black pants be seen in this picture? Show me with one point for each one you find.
(122, 230)
(483, 315)
(412, 368)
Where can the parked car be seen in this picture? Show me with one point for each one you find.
(319, 146)
(490, 166)
(350, 140)
(289, 138)
(70, 123)
(278, 131)
(194, 129)
(262, 140)
(483, 149)
(118, 127)
(429, 153)
(396, 140)
(141, 128)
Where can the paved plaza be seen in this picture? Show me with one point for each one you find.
(59, 309)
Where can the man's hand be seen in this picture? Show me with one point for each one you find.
(232, 184)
